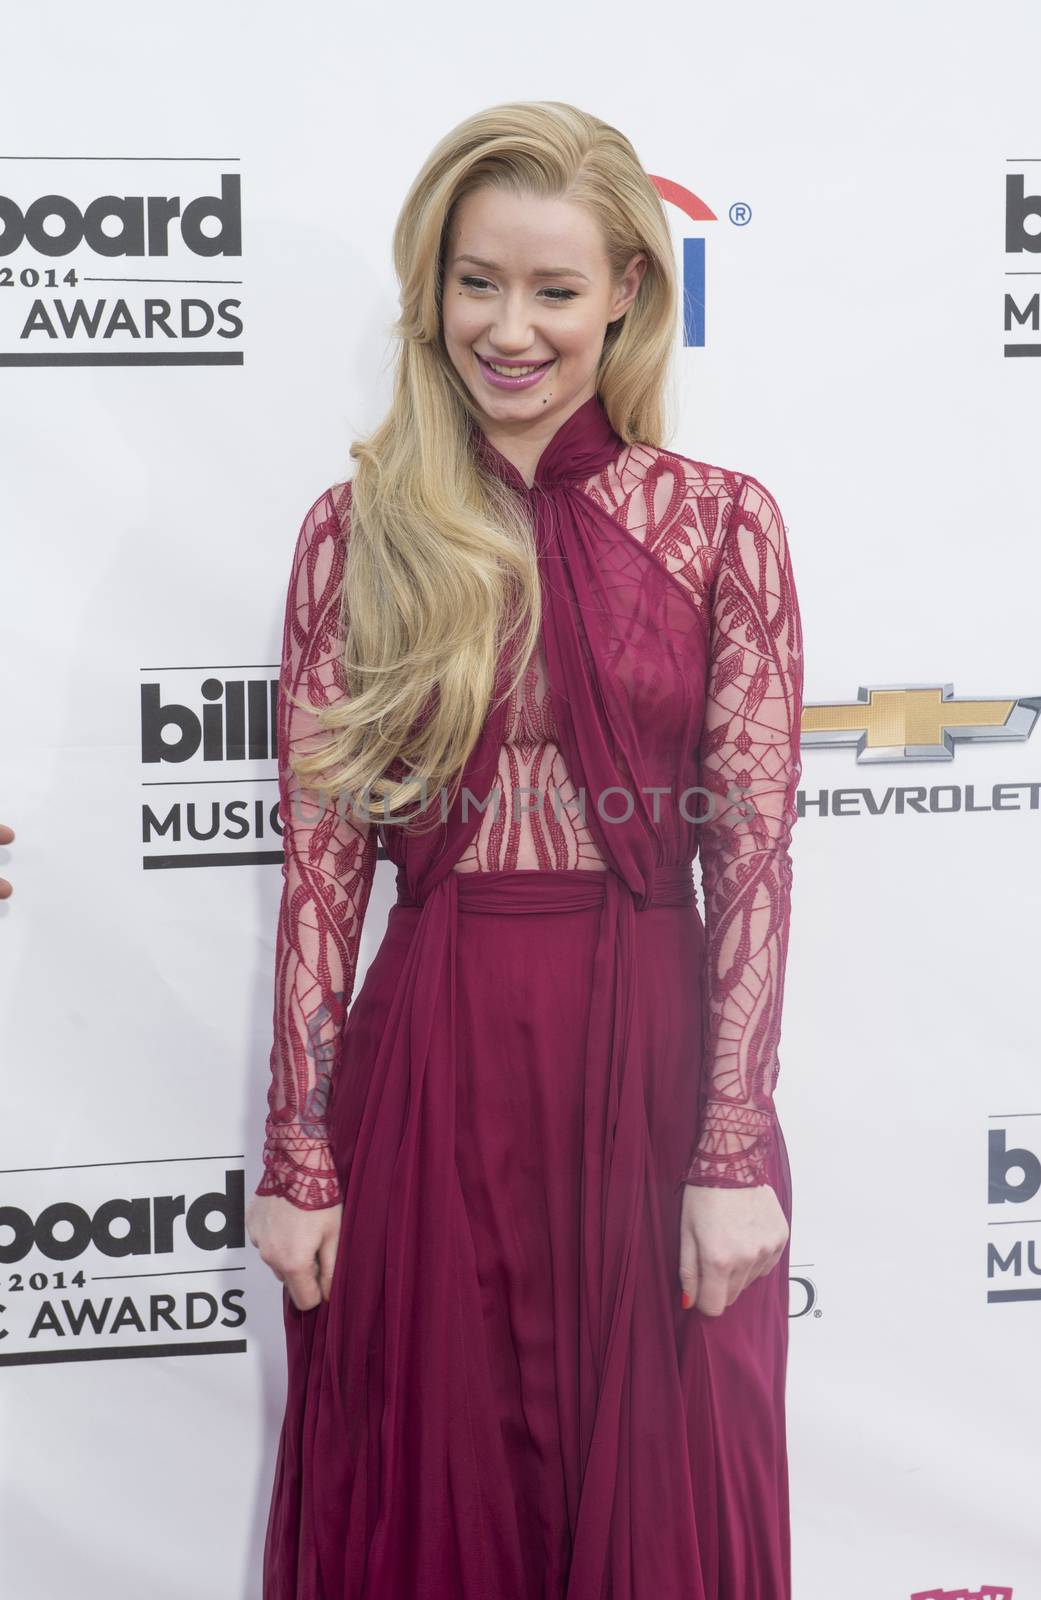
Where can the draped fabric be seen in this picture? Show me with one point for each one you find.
(458, 1423)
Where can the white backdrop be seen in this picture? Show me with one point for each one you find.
(857, 358)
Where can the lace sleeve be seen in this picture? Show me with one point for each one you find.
(750, 740)
(327, 873)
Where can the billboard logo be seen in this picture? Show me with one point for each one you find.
(99, 277)
(1014, 1179)
(88, 1274)
(209, 767)
(1022, 239)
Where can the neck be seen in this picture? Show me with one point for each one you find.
(523, 443)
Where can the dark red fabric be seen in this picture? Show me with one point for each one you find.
(502, 1401)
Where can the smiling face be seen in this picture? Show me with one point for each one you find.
(527, 284)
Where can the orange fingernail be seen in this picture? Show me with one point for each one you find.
(686, 1301)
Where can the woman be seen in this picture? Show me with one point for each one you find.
(529, 1198)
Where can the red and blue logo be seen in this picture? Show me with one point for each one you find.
(693, 257)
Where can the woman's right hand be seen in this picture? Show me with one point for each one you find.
(299, 1246)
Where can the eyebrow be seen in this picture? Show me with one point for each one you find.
(539, 272)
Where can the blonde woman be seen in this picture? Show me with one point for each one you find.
(528, 1196)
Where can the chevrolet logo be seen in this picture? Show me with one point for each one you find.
(915, 722)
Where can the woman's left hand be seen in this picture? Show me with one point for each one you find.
(728, 1238)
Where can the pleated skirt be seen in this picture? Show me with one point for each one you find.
(675, 1490)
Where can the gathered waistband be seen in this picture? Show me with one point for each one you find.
(554, 889)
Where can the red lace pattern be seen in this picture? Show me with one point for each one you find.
(327, 873)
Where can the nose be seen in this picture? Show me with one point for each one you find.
(511, 334)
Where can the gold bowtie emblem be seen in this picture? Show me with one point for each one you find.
(915, 722)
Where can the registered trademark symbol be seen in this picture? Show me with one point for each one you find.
(818, 1313)
(740, 213)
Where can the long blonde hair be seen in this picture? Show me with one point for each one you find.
(441, 570)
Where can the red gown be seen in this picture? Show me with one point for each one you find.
(503, 1398)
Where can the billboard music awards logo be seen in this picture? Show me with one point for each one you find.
(102, 277)
(1014, 1181)
(209, 767)
(1022, 247)
(124, 1258)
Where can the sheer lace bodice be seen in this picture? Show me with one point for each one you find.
(533, 820)
(721, 536)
